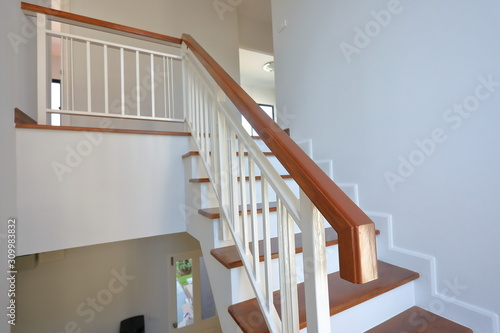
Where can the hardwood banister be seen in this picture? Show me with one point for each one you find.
(356, 232)
(88, 22)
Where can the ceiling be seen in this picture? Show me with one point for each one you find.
(259, 10)
(251, 63)
(251, 72)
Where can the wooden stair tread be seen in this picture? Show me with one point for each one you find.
(343, 295)
(214, 213)
(229, 257)
(207, 180)
(197, 153)
(418, 320)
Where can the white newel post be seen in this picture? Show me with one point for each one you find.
(315, 267)
(42, 59)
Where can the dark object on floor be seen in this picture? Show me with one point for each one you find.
(132, 325)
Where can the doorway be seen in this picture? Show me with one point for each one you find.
(192, 304)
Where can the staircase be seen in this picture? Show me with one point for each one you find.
(276, 232)
(385, 305)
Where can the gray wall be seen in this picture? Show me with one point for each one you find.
(379, 100)
(125, 279)
(196, 17)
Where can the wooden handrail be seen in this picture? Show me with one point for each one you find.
(356, 232)
(91, 23)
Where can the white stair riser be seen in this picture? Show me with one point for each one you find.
(195, 169)
(198, 169)
(240, 283)
(207, 194)
(203, 196)
(351, 190)
(261, 144)
(374, 311)
(369, 314)
(273, 217)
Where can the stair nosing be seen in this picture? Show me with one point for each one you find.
(214, 213)
(207, 180)
(197, 153)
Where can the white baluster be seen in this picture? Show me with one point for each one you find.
(64, 74)
(122, 78)
(72, 59)
(153, 102)
(42, 60)
(243, 196)
(254, 220)
(171, 90)
(204, 120)
(106, 80)
(165, 96)
(137, 81)
(315, 267)
(288, 279)
(233, 180)
(266, 225)
(222, 186)
(89, 78)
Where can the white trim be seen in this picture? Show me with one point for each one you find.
(433, 269)
(306, 146)
(328, 169)
(432, 261)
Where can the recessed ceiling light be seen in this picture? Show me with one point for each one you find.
(269, 66)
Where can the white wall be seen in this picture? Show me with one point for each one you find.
(365, 101)
(196, 17)
(17, 65)
(261, 95)
(78, 188)
(255, 35)
(56, 294)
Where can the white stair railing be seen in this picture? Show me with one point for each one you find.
(107, 79)
(229, 154)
